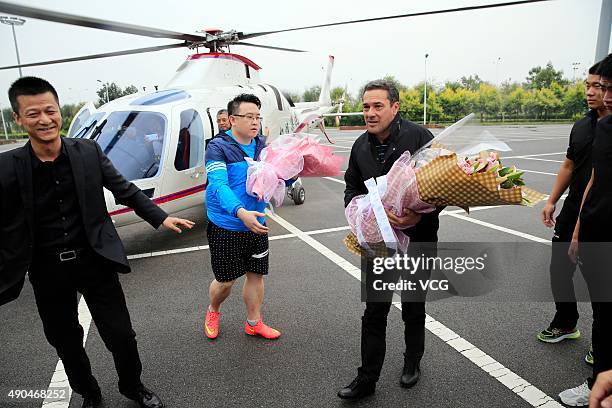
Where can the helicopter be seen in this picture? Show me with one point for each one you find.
(157, 139)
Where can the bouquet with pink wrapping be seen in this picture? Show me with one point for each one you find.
(278, 162)
(319, 161)
(289, 156)
(263, 182)
(397, 190)
(285, 156)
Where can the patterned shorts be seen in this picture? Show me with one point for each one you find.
(234, 253)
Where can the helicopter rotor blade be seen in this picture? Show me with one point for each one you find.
(103, 55)
(269, 47)
(72, 19)
(364, 20)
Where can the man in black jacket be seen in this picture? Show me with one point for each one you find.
(372, 155)
(54, 226)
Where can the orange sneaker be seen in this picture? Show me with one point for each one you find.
(211, 326)
(260, 329)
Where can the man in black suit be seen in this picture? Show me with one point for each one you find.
(55, 226)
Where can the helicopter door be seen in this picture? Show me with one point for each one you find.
(185, 181)
(80, 118)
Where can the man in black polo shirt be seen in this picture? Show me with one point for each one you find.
(54, 225)
(574, 173)
(592, 233)
(372, 155)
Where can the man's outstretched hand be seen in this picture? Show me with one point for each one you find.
(175, 224)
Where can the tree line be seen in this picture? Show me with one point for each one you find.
(545, 95)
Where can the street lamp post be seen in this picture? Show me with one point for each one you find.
(425, 94)
(3, 123)
(13, 21)
(497, 62)
(106, 86)
(575, 66)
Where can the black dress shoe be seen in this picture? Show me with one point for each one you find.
(411, 373)
(146, 398)
(92, 401)
(359, 388)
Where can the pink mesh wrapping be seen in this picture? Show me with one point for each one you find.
(283, 154)
(319, 161)
(263, 183)
(286, 158)
(402, 192)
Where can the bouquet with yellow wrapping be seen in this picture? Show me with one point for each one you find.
(460, 167)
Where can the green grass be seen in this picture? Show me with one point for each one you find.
(516, 122)
(22, 135)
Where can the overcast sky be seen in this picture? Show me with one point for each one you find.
(521, 37)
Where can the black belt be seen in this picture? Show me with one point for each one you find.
(62, 255)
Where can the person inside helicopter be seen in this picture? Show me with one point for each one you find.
(133, 141)
(155, 137)
(223, 121)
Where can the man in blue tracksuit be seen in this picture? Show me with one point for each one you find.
(237, 234)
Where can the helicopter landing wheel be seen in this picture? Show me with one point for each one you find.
(298, 195)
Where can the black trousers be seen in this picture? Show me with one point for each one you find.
(374, 331)
(374, 320)
(56, 285)
(562, 271)
(596, 265)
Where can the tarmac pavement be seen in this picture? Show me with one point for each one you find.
(313, 298)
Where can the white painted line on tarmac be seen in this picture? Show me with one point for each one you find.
(502, 229)
(509, 379)
(334, 179)
(327, 230)
(532, 155)
(285, 236)
(539, 139)
(526, 171)
(205, 247)
(537, 158)
(539, 172)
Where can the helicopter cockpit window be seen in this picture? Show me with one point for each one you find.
(134, 142)
(161, 97)
(190, 149)
(85, 129)
(78, 122)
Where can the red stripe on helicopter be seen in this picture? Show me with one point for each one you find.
(167, 198)
(225, 55)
